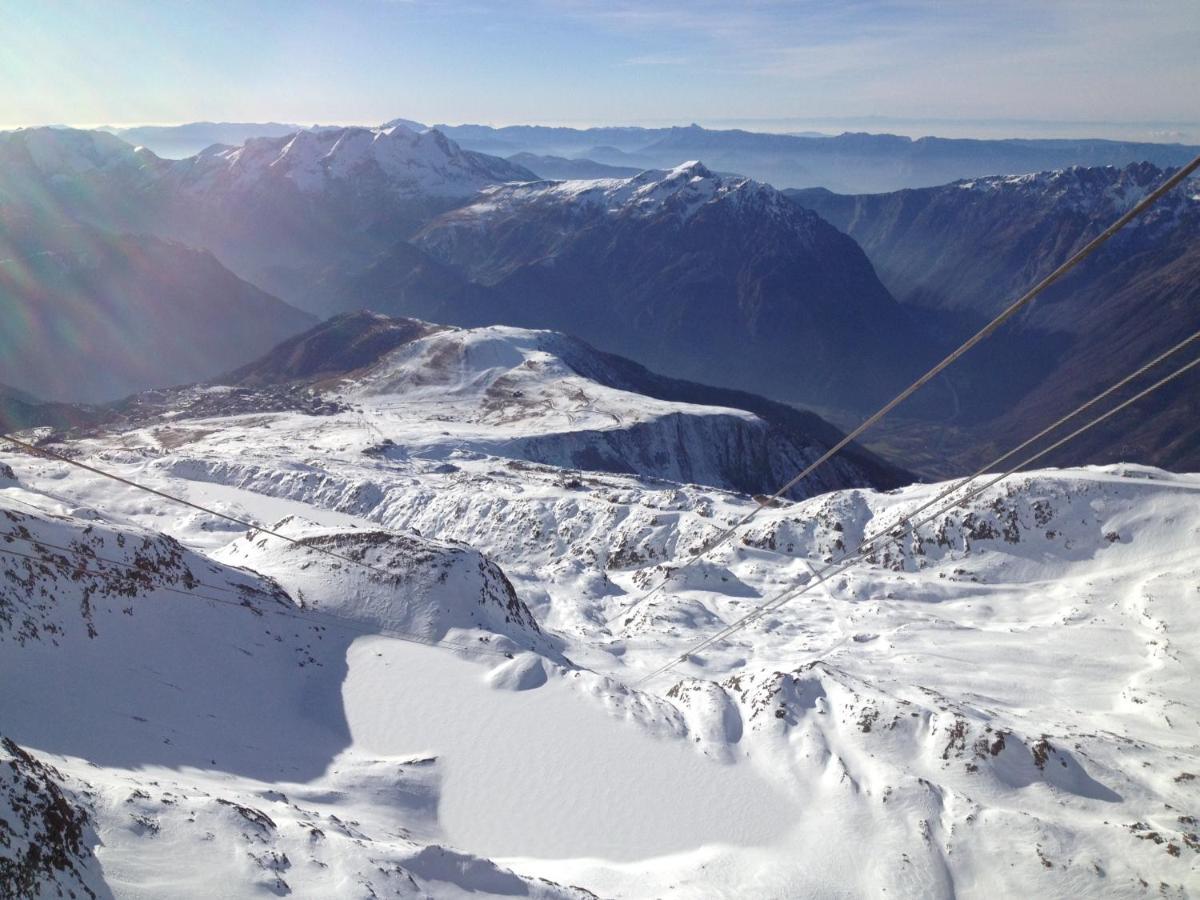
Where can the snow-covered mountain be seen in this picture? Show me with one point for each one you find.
(850, 162)
(549, 398)
(57, 152)
(395, 161)
(441, 392)
(77, 175)
(285, 211)
(468, 236)
(968, 246)
(685, 271)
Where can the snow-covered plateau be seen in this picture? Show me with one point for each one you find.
(423, 682)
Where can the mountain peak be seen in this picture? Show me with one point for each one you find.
(691, 169)
(410, 124)
(683, 191)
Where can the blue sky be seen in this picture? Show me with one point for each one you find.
(1103, 67)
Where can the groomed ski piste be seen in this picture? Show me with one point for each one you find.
(1002, 703)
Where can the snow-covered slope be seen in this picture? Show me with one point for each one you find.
(421, 588)
(549, 398)
(682, 189)
(1106, 191)
(1001, 705)
(188, 720)
(434, 391)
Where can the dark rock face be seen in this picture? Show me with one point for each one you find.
(19, 410)
(46, 837)
(956, 255)
(91, 311)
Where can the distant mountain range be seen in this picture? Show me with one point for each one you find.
(105, 293)
(282, 211)
(847, 163)
(682, 271)
(277, 211)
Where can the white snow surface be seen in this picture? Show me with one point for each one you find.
(499, 386)
(1002, 705)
